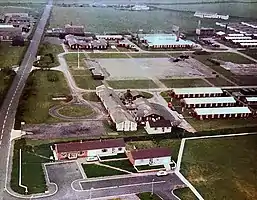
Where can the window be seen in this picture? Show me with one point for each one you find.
(104, 150)
(63, 154)
(155, 128)
(81, 152)
(120, 149)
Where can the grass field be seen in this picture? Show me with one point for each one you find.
(76, 111)
(47, 48)
(219, 81)
(37, 96)
(231, 57)
(87, 82)
(148, 196)
(122, 164)
(72, 60)
(148, 55)
(185, 194)
(107, 55)
(214, 124)
(251, 53)
(180, 83)
(93, 170)
(10, 55)
(32, 159)
(91, 96)
(132, 84)
(6, 78)
(222, 168)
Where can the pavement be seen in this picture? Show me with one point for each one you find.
(10, 104)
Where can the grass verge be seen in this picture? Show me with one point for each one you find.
(91, 96)
(148, 196)
(36, 99)
(222, 167)
(185, 194)
(147, 167)
(148, 55)
(132, 84)
(219, 81)
(76, 111)
(6, 78)
(93, 170)
(107, 55)
(180, 83)
(32, 159)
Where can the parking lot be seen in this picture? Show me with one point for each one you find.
(142, 68)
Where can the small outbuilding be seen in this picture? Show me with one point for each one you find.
(158, 127)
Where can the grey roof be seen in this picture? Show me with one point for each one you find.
(84, 41)
(113, 104)
(145, 108)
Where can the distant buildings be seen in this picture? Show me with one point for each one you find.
(74, 30)
(205, 32)
(158, 127)
(96, 69)
(90, 150)
(8, 32)
(75, 42)
(164, 41)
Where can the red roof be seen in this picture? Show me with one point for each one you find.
(150, 153)
(89, 145)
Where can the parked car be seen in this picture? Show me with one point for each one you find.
(162, 173)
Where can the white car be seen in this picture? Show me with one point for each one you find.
(162, 173)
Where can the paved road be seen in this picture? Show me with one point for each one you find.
(8, 109)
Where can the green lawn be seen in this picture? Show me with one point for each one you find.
(231, 57)
(76, 111)
(72, 58)
(132, 84)
(185, 194)
(222, 168)
(11, 55)
(146, 95)
(148, 196)
(36, 99)
(47, 49)
(148, 55)
(147, 167)
(91, 96)
(180, 83)
(6, 78)
(219, 81)
(107, 55)
(122, 164)
(31, 167)
(213, 124)
(86, 82)
(252, 53)
(93, 170)
(166, 95)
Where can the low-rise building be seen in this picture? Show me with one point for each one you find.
(127, 44)
(154, 156)
(8, 32)
(118, 113)
(251, 100)
(221, 112)
(90, 150)
(158, 127)
(205, 32)
(207, 102)
(110, 37)
(196, 92)
(74, 30)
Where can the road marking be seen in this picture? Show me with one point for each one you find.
(4, 121)
(137, 184)
(2, 135)
(6, 116)
(0, 142)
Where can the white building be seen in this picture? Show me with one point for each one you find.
(251, 100)
(89, 149)
(154, 156)
(196, 92)
(118, 113)
(158, 127)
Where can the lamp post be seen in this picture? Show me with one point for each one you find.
(90, 193)
(78, 57)
(152, 187)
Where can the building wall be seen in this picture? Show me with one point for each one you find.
(157, 130)
(126, 126)
(218, 116)
(153, 161)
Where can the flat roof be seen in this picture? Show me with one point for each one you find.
(209, 100)
(235, 35)
(165, 39)
(222, 110)
(198, 90)
(244, 41)
(239, 38)
(6, 26)
(248, 44)
(251, 99)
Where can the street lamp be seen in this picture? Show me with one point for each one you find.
(152, 187)
(90, 193)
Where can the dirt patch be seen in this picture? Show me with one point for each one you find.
(248, 190)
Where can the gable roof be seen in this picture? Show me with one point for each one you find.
(160, 123)
(150, 153)
(89, 145)
(198, 90)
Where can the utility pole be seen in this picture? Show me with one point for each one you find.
(78, 57)
(152, 187)
(90, 193)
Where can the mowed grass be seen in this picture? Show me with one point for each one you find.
(251, 52)
(122, 164)
(148, 196)
(6, 78)
(76, 111)
(185, 194)
(94, 170)
(11, 55)
(214, 124)
(148, 55)
(107, 55)
(37, 96)
(222, 168)
(180, 83)
(91, 96)
(219, 81)
(231, 57)
(132, 84)
(32, 172)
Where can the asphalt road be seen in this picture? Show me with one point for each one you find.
(8, 109)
